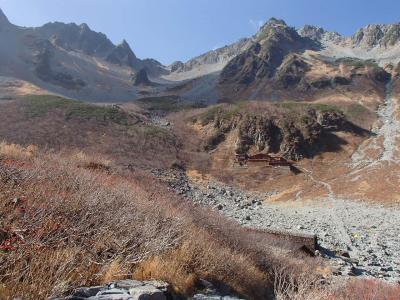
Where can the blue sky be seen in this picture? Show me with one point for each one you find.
(170, 30)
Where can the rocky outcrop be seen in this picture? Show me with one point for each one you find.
(44, 71)
(177, 66)
(292, 139)
(377, 35)
(77, 37)
(123, 55)
(154, 68)
(292, 71)
(293, 134)
(141, 78)
(272, 44)
(144, 290)
(4, 22)
(313, 32)
(123, 290)
(72, 37)
(331, 120)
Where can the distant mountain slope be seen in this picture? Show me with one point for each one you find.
(72, 60)
(213, 60)
(285, 64)
(277, 63)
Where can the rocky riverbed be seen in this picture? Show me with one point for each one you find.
(357, 238)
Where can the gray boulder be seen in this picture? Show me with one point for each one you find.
(147, 292)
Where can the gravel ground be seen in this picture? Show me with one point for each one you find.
(358, 238)
(389, 132)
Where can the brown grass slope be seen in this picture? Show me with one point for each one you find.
(65, 224)
(58, 123)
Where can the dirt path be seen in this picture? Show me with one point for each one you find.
(337, 221)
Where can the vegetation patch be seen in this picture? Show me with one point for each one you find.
(295, 106)
(221, 113)
(37, 106)
(355, 110)
(357, 63)
(166, 104)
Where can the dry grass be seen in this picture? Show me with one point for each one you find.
(15, 151)
(367, 289)
(66, 226)
(207, 259)
(70, 226)
(132, 142)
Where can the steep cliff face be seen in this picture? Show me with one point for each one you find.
(3, 20)
(291, 72)
(293, 133)
(124, 56)
(141, 78)
(76, 37)
(368, 37)
(377, 35)
(43, 61)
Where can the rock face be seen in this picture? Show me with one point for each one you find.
(295, 134)
(141, 79)
(377, 35)
(292, 71)
(272, 44)
(176, 66)
(143, 290)
(72, 37)
(271, 57)
(76, 37)
(123, 290)
(72, 60)
(124, 56)
(293, 139)
(313, 32)
(3, 20)
(43, 67)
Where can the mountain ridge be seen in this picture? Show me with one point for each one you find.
(276, 62)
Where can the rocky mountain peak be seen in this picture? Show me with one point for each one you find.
(313, 32)
(124, 44)
(176, 65)
(377, 35)
(84, 27)
(3, 19)
(270, 27)
(318, 34)
(276, 30)
(369, 36)
(274, 22)
(123, 55)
